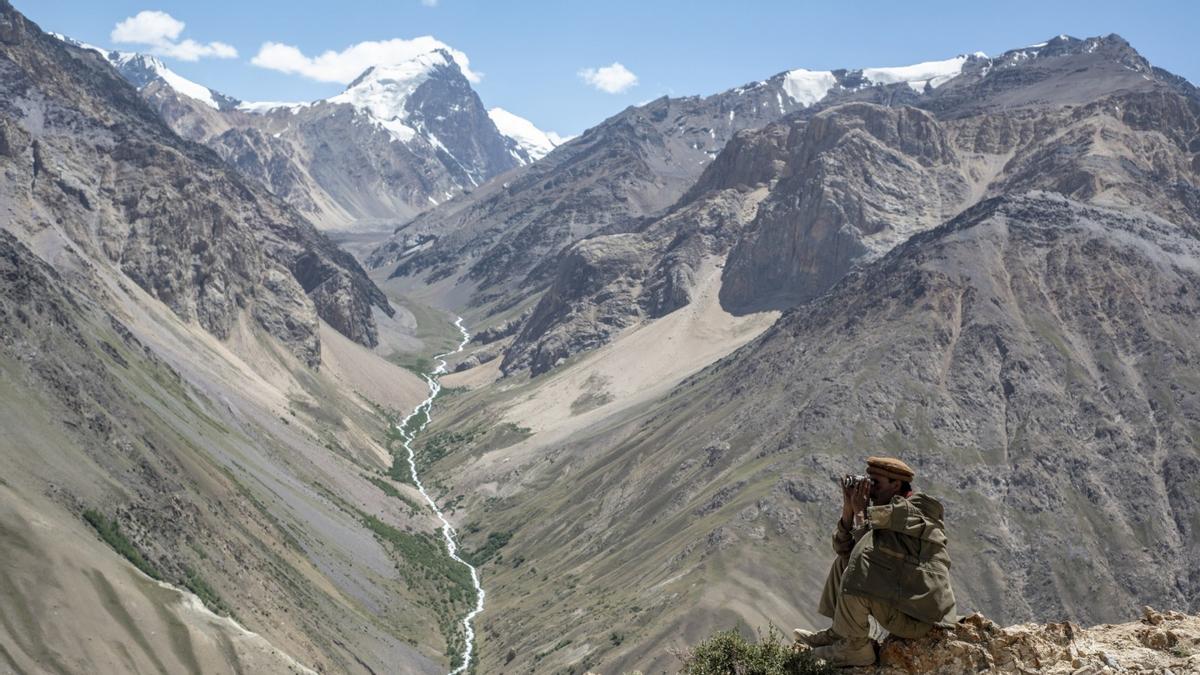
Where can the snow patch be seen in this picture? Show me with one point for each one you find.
(398, 129)
(807, 87)
(148, 68)
(535, 142)
(382, 91)
(174, 80)
(264, 107)
(916, 76)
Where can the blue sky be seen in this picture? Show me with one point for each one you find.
(530, 53)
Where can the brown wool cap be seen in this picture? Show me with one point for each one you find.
(889, 467)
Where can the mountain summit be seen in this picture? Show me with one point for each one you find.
(400, 139)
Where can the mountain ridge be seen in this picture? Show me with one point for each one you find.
(841, 186)
(1010, 314)
(303, 151)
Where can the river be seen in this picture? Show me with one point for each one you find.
(448, 532)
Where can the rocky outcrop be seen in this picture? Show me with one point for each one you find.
(607, 283)
(862, 179)
(613, 266)
(104, 172)
(1161, 642)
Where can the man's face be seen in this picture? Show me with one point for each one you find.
(882, 488)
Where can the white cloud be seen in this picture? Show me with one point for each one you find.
(148, 27)
(160, 32)
(612, 79)
(190, 50)
(349, 63)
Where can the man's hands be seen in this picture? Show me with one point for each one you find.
(854, 500)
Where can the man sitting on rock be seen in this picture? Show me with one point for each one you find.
(891, 564)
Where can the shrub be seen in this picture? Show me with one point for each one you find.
(495, 542)
(729, 653)
(111, 533)
(196, 584)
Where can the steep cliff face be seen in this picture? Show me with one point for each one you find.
(1090, 119)
(610, 282)
(502, 238)
(861, 178)
(89, 165)
(857, 171)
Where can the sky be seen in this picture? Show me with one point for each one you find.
(568, 64)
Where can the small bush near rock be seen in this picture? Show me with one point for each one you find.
(728, 653)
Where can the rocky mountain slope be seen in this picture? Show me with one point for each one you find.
(93, 172)
(997, 285)
(1086, 118)
(1031, 358)
(840, 187)
(637, 163)
(195, 473)
(401, 138)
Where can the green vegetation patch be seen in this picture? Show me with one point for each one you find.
(417, 364)
(416, 422)
(495, 542)
(729, 653)
(111, 533)
(196, 584)
(425, 563)
(391, 491)
(400, 470)
(427, 552)
(441, 444)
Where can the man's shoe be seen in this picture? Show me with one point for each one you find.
(815, 638)
(846, 653)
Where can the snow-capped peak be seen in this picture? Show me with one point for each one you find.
(933, 73)
(807, 87)
(128, 62)
(535, 142)
(142, 69)
(382, 91)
